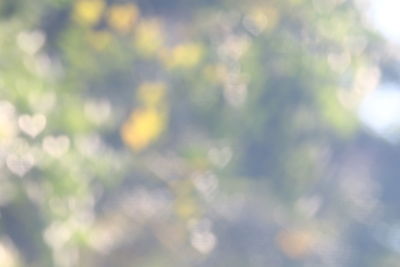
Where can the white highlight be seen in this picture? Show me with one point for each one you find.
(385, 17)
(380, 111)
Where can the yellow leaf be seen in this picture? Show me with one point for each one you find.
(143, 127)
(148, 37)
(88, 11)
(184, 56)
(122, 17)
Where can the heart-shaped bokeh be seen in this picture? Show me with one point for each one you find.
(20, 164)
(32, 125)
(31, 42)
(220, 156)
(56, 146)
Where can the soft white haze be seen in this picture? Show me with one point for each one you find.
(380, 110)
(385, 17)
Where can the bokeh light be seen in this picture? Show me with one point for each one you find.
(198, 133)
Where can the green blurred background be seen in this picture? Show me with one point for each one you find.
(183, 133)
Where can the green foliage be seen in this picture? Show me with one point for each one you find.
(236, 129)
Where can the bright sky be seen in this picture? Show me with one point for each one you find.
(380, 110)
(385, 16)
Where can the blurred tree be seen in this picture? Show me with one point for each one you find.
(184, 133)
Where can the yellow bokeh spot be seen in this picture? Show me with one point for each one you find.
(88, 11)
(143, 127)
(184, 56)
(186, 208)
(8, 130)
(296, 243)
(151, 94)
(265, 18)
(122, 17)
(148, 37)
(99, 40)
